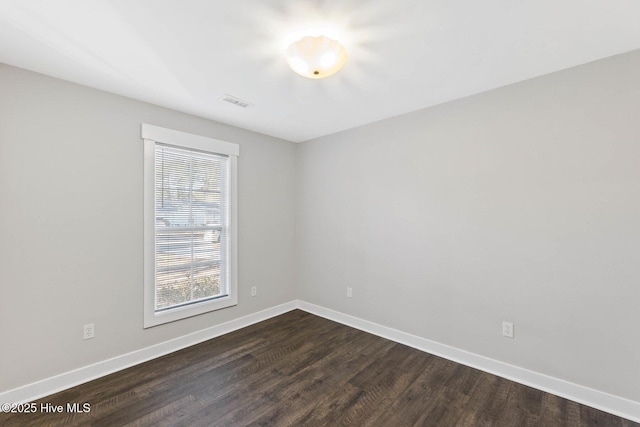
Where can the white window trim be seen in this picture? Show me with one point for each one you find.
(151, 135)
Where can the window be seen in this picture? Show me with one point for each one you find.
(189, 225)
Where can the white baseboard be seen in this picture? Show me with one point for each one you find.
(78, 376)
(597, 399)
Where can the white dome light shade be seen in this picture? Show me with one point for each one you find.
(316, 57)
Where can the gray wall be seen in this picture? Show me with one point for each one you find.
(519, 204)
(71, 224)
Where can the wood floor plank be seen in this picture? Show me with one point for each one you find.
(262, 390)
(410, 404)
(522, 407)
(156, 416)
(525, 398)
(330, 410)
(308, 386)
(342, 406)
(397, 356)
(445, 410)
(553, 411)
(298, 369)
(464, 380)
(378, 396)
(593, 417)
(572, 413)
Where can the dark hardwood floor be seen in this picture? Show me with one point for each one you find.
(302, 370)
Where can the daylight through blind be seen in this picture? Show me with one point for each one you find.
(191, 231)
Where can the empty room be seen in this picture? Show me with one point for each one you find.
(319, 213)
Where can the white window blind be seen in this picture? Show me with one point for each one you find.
(191, 231)
(190, 225)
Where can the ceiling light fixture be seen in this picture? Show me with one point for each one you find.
(316, 57)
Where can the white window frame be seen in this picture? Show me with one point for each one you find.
(152, 135)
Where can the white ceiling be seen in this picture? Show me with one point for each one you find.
(404, 55)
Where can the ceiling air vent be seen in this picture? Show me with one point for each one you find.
(236, 101)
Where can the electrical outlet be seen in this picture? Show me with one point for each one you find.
(89, 331)
(349, 292)
(507, 329)
(254, 291)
